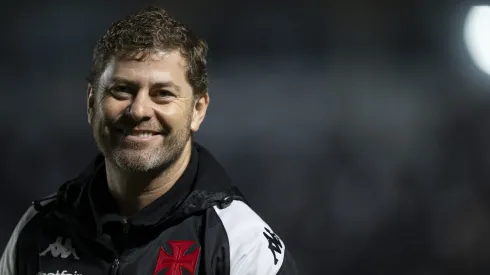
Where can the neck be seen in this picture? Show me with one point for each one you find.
(134, 191)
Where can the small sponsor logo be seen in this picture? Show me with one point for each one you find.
(64, 272)
(61, 249)
(275, 244)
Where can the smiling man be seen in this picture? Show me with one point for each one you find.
(154, 201)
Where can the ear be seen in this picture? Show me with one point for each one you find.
(90, 103)
(200, 107)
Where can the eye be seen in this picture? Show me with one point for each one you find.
(164, 93)
(121, 91)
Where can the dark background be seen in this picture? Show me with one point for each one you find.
(359, 130)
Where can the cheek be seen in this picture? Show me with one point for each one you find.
(172, 115)
(110, 109)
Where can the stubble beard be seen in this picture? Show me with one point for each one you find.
(144, 160)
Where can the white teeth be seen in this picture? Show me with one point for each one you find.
(143, 134)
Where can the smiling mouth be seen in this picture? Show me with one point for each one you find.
(138, 133)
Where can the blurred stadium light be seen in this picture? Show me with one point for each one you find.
(477, 36)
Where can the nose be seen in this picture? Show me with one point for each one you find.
(140, 109)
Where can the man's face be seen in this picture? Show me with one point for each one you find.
(143, 112)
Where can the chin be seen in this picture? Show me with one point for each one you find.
(149, 159)
(137, 162)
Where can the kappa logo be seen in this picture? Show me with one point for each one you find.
(61, 249)
(181, 258)
(275, 244)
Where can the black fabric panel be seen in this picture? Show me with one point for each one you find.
(216, 250)
(27, 246)
(288, 265)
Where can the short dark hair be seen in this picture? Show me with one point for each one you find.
(149, 30)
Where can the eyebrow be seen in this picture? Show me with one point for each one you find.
(165, 84)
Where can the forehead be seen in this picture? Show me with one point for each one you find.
(156, 67)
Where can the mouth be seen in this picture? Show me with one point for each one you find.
(136, 135)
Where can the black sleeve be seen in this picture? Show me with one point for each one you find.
(9, 262)
(288, 265)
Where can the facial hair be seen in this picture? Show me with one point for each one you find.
(143, 160)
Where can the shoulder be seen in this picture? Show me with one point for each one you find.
(19, 235)
(9, 257)
(254, 247)
(35, 211)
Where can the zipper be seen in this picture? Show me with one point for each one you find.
(125, 229)
(115, 266)
(125, 225)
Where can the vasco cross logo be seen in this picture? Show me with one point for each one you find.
(60, 249)
(275, 244)
(179, 258)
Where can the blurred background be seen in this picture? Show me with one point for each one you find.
(359, 130)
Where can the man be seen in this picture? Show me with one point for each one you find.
(154, 202)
